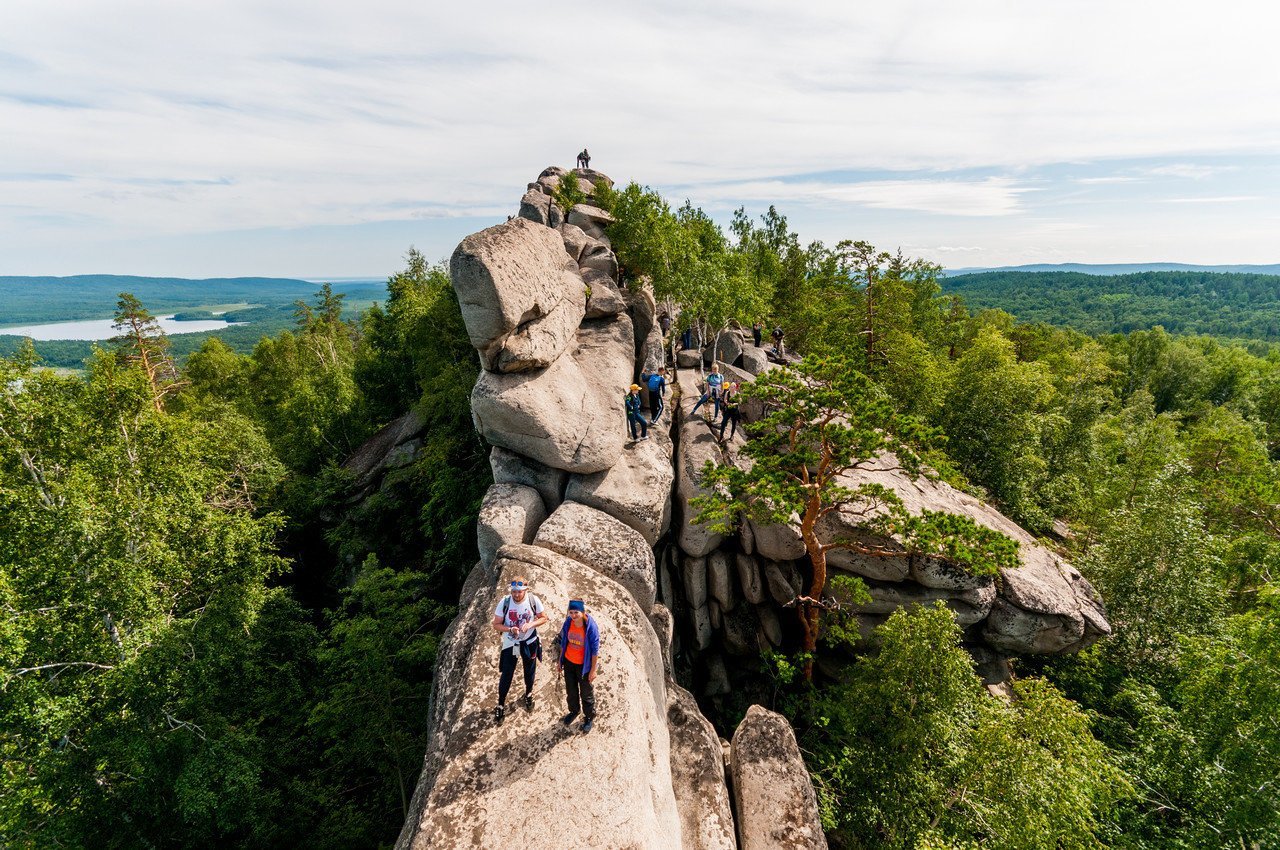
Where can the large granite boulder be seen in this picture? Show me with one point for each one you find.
(520, 295)
(702, 798)
(592, 220)
(568, 415)
(536, 205)
(589, 179)
(777, 808)
(1042, 606)
(636, 489)
(610, 788)
(511, 468)
(754, 360)
(598, 540)
(778, 542)
(727, 346)
(510, 513)
(393, 446)
(696, 446)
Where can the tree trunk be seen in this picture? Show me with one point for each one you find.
(809, 611)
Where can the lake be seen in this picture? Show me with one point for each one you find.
(101, 329)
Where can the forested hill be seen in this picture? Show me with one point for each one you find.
(1224, 305)
(30, 300)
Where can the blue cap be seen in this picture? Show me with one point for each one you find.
(577, 605)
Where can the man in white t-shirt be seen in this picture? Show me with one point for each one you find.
(517, 618)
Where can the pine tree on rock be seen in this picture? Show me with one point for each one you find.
(826, 421)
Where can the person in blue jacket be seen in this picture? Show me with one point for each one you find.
(657, 382)
(579, 661)
(632, 402)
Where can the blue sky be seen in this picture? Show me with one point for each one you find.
(322, 139)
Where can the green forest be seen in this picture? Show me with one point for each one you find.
(206, 641)
(1230, 305)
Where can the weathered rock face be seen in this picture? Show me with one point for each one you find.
(636, 489)
(706, 819)
(567, 415)
(777, 809)
(511, 468)
(695, 448)
(510, 513)
(598, 540)
(520, 295)
(476, 773)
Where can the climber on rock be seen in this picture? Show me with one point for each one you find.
(777, 340)
(757, 332)
(632, 402)
(657, 382)
(715, 381)
(579, 661)
(732, 412)
(517, 618)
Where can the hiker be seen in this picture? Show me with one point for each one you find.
(664, 322)
(579, 661)
(757, 332)
(777, 340)
(732, 412)
(686, 339)
(584, 159)
(632, 402)
(657, 389)
(517, 618)
(714, 382)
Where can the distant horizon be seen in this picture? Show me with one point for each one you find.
(1221, 268)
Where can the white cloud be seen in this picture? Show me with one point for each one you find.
(1189, 170)
(994, 196)
(1222, 199)
(260, 115)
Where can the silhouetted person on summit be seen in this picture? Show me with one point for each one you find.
(584, 159)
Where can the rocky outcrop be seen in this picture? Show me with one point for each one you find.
(1042, 606)
(650, 775)
(603, 543)
(510, 513)
(477, 774)
(566, 415)
(636, 489)
(521, 298)
(776, 806)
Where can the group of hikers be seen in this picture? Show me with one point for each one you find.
(517, 619)
(723, 397)
(584, 159)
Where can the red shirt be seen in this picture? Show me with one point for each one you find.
(577, 641)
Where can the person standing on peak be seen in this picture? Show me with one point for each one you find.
(586, 159)
(579, 661)
(632, 402)
(517, 618)
(657, 389)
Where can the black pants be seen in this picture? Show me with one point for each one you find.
(507, 670)
(730, 415)
(756, 335)
(574, 684)
(655, 406)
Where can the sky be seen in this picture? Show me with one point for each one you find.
(322, 139)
